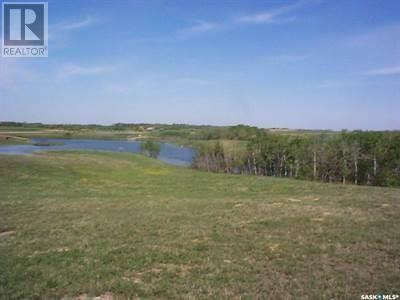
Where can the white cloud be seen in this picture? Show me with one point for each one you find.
(192, 81)
(385, 71)
(136, 84)
(60, 34)
(79, 24)
(78, 70)
(330, 84)
(120, 88)
(379, 36)
(198, 28)
(286, 58)
(273, 16)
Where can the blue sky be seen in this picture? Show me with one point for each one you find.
(297, 64)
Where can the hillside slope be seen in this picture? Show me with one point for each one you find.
(74, 223)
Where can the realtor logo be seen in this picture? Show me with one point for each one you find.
(25, 29)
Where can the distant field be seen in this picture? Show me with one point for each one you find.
(188, 135)
(299, 132)
(88, 134)
(80, 223)
(18, 129)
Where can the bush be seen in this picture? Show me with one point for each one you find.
(151, 149)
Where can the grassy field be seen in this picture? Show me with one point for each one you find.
(62, 134)
(89, 224)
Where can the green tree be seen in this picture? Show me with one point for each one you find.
(150, 148)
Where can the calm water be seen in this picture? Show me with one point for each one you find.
(175, 155)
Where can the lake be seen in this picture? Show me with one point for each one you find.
(171, 154)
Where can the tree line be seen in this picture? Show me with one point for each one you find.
(357, 157)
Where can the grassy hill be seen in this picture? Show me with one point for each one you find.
(80, 223)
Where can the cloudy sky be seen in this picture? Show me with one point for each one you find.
(298, 64)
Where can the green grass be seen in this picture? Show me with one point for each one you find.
(74, 223)
(17, 129)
